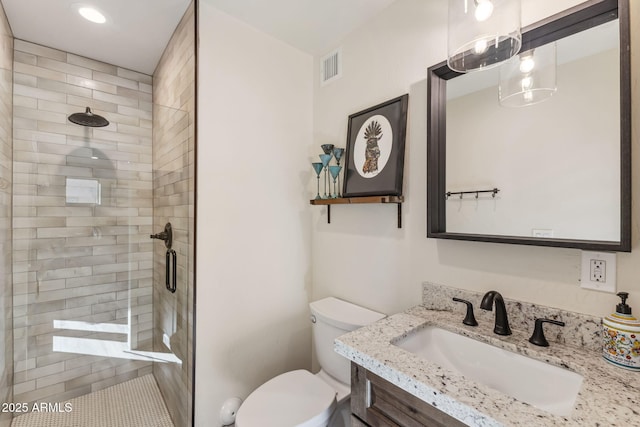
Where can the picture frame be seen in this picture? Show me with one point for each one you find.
(374, 157)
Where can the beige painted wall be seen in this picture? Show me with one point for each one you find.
(253, 235)
(382, 267)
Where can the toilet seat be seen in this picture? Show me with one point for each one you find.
(293, 399)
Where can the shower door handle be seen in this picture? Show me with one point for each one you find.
(171, 277)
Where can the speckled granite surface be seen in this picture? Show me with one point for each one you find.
(609, 395)
(580, 330)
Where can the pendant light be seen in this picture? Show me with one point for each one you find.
(528, 78)
(482, 33)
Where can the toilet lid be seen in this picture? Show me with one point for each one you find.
(293, 399)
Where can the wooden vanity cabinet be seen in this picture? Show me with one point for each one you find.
(376, 402)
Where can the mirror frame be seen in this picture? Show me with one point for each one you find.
(566, 23)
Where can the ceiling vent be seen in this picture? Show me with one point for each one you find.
(330, 67)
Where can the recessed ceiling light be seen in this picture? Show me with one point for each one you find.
(92, 15)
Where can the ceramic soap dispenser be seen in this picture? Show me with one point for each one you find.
(620, 333)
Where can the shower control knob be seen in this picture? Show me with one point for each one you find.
(160, 236)
(166, 235)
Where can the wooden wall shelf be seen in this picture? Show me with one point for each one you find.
(398, 200)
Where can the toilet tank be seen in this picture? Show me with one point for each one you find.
(331, 318)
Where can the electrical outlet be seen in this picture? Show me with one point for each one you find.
(542, 232)
(598, 271)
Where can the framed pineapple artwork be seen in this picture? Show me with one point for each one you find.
(374, 158)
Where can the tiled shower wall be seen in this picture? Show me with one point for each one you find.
(173, 186)
(6, 179)
(82, 218)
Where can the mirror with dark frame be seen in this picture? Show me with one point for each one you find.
(554, 173)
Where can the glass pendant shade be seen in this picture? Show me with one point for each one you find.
(528, 78)
(482, 33)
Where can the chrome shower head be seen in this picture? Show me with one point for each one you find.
(88, 119)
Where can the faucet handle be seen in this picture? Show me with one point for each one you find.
(469, 319)
(538, 337)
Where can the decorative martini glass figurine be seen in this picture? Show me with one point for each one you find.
(325, 159)
(338, 153)
(317, 166)
(334, 170)
(327, 148)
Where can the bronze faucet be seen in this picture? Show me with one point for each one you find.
(502, 323)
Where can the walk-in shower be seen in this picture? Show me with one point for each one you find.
(87, 189)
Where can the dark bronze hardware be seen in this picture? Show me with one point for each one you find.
(171, 278)
(469, 319)
(502, 322)
(171, 258)
(166, 235)
(538, 337)
(493, 192)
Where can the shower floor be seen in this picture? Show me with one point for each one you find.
(135, 403)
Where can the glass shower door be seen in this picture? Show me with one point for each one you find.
(83, 204)
(173, 186)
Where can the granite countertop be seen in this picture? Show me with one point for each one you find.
(609, 395)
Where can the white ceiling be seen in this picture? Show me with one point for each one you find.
(137, 31)
(313, 26)
(134, 36)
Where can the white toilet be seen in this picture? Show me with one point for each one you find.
(300, 398)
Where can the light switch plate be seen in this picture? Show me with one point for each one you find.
(598, 271)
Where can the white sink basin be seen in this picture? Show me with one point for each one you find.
(544, 386)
